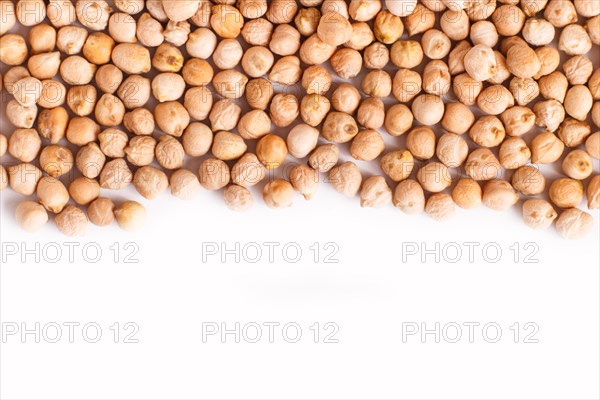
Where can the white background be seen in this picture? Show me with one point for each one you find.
(373, 289)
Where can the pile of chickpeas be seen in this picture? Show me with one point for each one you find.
(457, 102)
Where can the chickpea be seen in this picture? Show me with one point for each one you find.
(467, 194)
(184, 184)
(93, 14)
(139, 122)
(214, 174)
(592, 145)
(23, 178)
(113, 142)
(346, 98)
(339, 127)
(140, 150)
(401, 8)
(364, 10)
(84, 190)
(108, 78)
(198, 102)
(398, 165)
(201, 43)
(377, 84)
(226, 21)
(436, 78)
(131, 215)
(484, 33)
(566, 193)
(406, 85)
(522, 61)
(546, 148)
(436, 44)
(514, 153)
(518, 120)
(278, 193)
(82, 99)
(42, 38)
(52, 194)
(578, 102)
(398, 120)
(324, 157)
(466, 89)
(574, 224)
(228, 146)
(167, 86)
(172, 118)
(24, 144)
(482, 165)
(150, 182)
(406, 54)
(248, 171)
(578, 164)
(177, 32)
(375, 192)
(259, 93)
(286, 71)
(285, 40)
(115, 175)
(452, 150)
(169, 152)
(499, 195)
(302, 140)
(76, 70)
(487, 131)
(90, 160)
(421, 142)
(361, 37)
(197, 72)
(257, 61)
(271, 150)
(428, 109)
(409, 197)
(307, 21)
(593, 29)
(549, 114)
(538, 32)
(371, 113)
(346, 178)
(480, 62)
(19, 116)
(574, 40)
(131, 58)
(388, 28)
(305, 180)
(454, 23)
(440, 207)
(367, 145)
(168, 58)
(56, 160)
(150, 32)
(282, 11)
(549, 59)
(346, 63)
(573, 133)
(284, 109)
(495, 99)
(110, 110)
(538, 213)
(31, 216)
(314, 108)
(8, 17)
(377, 55)
(596, 113)
(135, 91)
(458, 118)
(14, 49)
(593, 193)
(3, 144)
(434, 177)
(238, 198)
(70, 39)
(509, 20)
(316, 79)
(228, 54)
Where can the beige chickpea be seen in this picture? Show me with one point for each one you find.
(93, 14)
(528, 180)
(254, 124)
(409, 197)
(574, 224)
(375, 192)
(115, 175)
(56, 160)
(346, 63)
(398, 120)
(596, 114)
(108, 78)
(52, 194)
(436, 44)
(180, 10)
(224, 115)
(184, 184)
(278, 193)
(30, 12)
(434, 177)
(230, 83)
(167, 58)
(549, 114)
(307, 21)
(495, 99)
(467, 194)
(271, 150)
(248, 171)
(578, 164)
(324, 157)
(361, 37)
(314, 108)
(436, 78)
(214, 174)
(24, 144)
(31, 216)
(522, 61)
(131, 58)
(549, 60)
(456, 57)
(514, 153)
(346, 178)
(334, 29)
(388, 28)
(466, 89)
(538, 213)
(458, 118)
(84, 190)
(90, 160)
(593, 29)
(282, 11)
(76, 70)
(538, 32)
(172, 118)
(19, 116)
(228, 146)
(566, 193)
(70, 39)
(371, 113)
(14, 49)
(302, 140)
(480, 62)
(406, 85)
(197, 72)
(398, 165)
(454, 23)
(484, 33)
(509, 20)
(546, 148)
(593, 81)
(82, 99)
(201, 43)
(259, 93)
(98, 48)
(364, 10)
(518, 120)
(101, 211)
(499, 195)
(140, 150)
(406, 54)
(377, 83)
(167, 86)
(573, 132)
(578, 102)
(135, 91)
(339, 127)
(177, 32)
(226, 21)
(257, 61)
(587, 8)
(23, 178)
(198, 102)
(421, 142)
(284, 109)
(130, 6)
(110, 110)
(122, 28)
(53, 94)
(532, 7)
(71, 221)
(285, 40)
(139, 122)
(345, 98)
(593, 193)
(428, 109)
(113, 142)
(482, 165)
(258, 32)
(367, 145)
(45, 65)
(131, 216)
(377, 55)
(150, 182)
(228, 54)
(592, 145)
(8, 17)
(440, 207)
(286, 71)
(12, 76)
(305, 180)
(237, 198)
(574, 40)
(169, 152)
(452, 150)
(3, 144)
(316, 79)
(42, 38)
(150, 32)
(487, 131)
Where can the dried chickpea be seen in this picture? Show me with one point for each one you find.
(398, 165)
(499, 195)
(482, 165)
(495, 99)
(538, 213)
(150, 182)
(324, 157)
(549, 60)
(346, 178)
(214, 174)
(248, 171)
(14, 49)
(101, 211)
(167, 86)
(487, 131)
(466, 89)
(3, 144)
(284, 109)
(480, 62)
(42, 38)
(305, 180)
(71, 221)
(302, 140)
(574, 40)
(70, 39)
(428, 109)
(271, 150)
(19, 116)
(150, 32)
(578, 70)
(593, 29)
(518, 120)
(375, 192)
(286, 71)
(377, 83)
(509, 20)
(282, 11)
(31, 216)
(452, 150)
(454, 23)
(115, 175)
(406, 85)
(485, 33)
(339, 127)
(593, 193)
(84, 190)
(436, 44)
(172, 118)
(578, 102)
(307, 21)
(377, 55)
(108, 78)
(314, 109)
(371, 113)
(184, 184)
(458, 118)
(113, 142)
(440, 207)
(257, 61)
(316, 79)
(140, 150)
(578, 164)
(388, 28)
(197, 72)
(361, 37)
(8, 17)
(24, 144)
(346, 63)
(198, 102)
(566, 193)
(456, 57)
(596, 113)
(82, 99)
(401, 8)
(285, 40)
(131, 58)
(436, 78)
(514, 153)
(227, 54)
(259, 93)
(345, 98)
(467, 194)
(367, 145)
(139, 122)
(52, 194)
(409, 197)
(131, 215)
(228, 146)
(167, 58)
(549, 114)
(177, 32)
(573, 132)
(278, 193)
(592, 145)
(421, 142)
(135, 91)
(434, 177)
(110, 110)
(546, 148)
(56, 160)
(226, 21)
(201, 43)
(90, 160)
(23, 178)
(398, 120)
(224, 115)
(237, 198)
(523, 61)
(169, 152)
(574, 224)
(406, 54)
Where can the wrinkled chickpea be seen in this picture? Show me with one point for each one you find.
(184, 184)
(398, 165)
(31, 216)
(238, 198)
(592, 145)
(324, 157)
(566, 193)
(248, 171)
(339, 127)
(409, 197)
(482, 165)
(278, 193)
(150, 182)
(452, 150)
(375, 192)
(367, 145)
(467, 194)
(345, 98)
(214, 174)
(538, 214)
(499, 195)
(23, 178)
(371, 113)
(574, 224)
(573, 132)
(305, 180)
(284, 109)
(578, 164)
(434, 177)
(514, 153)
(440, 207)
(593, 193)
(169, 152)
(346, 178)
